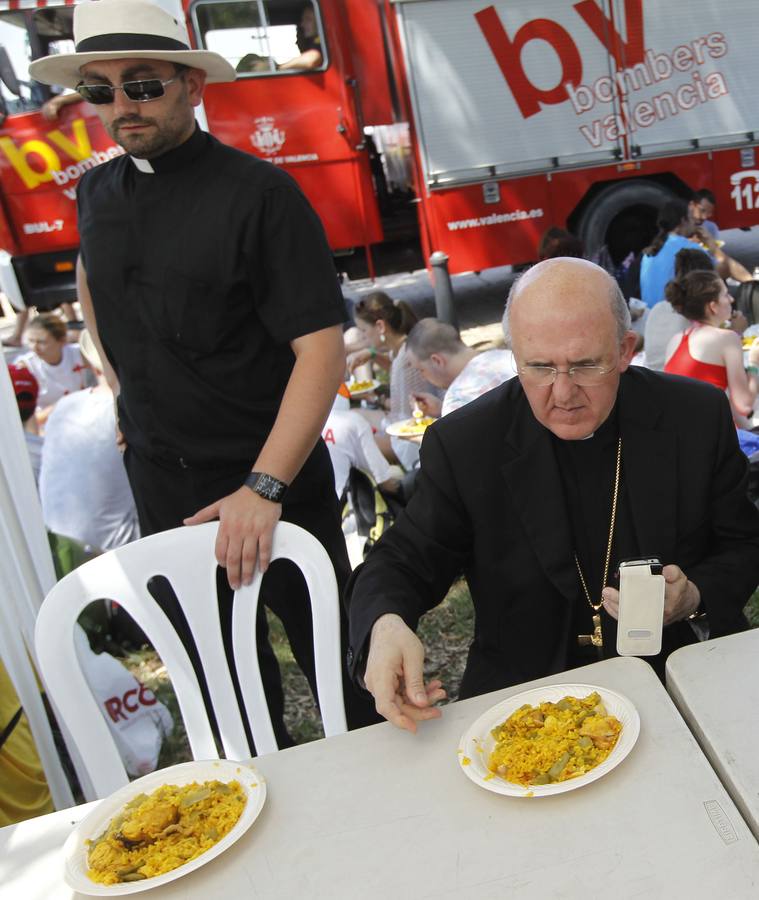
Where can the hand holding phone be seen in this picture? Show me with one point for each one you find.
(641, 607)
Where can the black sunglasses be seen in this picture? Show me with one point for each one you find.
(139, 91)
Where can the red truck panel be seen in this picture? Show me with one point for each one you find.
(362, 20)
(40, 165)
(477, 235)
(307, 123)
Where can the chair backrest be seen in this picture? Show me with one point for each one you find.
(185, 557)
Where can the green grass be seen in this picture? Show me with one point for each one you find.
(301, 715)
(446, 633)
(147, 667)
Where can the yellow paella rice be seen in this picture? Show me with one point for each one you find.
(553, 742)
(158, 832)
(415, 426)
(355, 386)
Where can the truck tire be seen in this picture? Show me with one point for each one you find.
(622, 217)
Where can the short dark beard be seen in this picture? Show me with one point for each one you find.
(149, 145)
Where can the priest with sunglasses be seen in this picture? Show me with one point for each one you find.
(206, 278)
(538, 490)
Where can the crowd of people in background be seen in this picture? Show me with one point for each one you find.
(421, 367)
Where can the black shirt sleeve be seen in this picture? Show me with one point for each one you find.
(301, 294)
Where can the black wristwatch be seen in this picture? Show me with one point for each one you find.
(266, 486)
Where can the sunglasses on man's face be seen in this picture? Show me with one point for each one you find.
(138, 91)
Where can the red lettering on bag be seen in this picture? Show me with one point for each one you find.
(329, 436)
(627, 53)
(508, 55)
(147, 697)
(113, 706)
(133, 707)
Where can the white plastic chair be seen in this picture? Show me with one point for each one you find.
(185, 556)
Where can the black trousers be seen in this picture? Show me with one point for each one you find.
(166, 493)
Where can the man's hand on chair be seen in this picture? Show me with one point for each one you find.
(246, 524)
(395, 675)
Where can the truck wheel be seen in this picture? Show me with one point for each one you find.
(623, 217)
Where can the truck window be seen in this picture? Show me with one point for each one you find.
(263, 37)
(15, 38)
(28, 35)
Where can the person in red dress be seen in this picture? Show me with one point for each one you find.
(707, 350)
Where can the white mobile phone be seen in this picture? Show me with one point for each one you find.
(641, 607)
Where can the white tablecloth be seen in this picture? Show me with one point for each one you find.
(380, 813)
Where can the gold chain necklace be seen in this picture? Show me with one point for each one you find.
(596, 639)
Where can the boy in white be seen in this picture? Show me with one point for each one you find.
(350, 442)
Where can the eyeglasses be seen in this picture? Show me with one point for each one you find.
(139, 91)
(583, 376)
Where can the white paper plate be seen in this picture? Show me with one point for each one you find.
(364, 391)
(93, 825)
(477, 742)
(395, 429)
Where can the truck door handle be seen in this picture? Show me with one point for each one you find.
(353, 85)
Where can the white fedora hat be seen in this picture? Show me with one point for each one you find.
(127, 29)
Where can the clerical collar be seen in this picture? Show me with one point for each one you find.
(606, 432)
(175, 159)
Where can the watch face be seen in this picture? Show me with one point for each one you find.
(266, 486)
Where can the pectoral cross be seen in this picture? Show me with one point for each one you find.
(596, 639)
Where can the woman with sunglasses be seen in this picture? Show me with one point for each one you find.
(708, 350)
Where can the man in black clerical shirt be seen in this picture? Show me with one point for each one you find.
(525, 489)
(206, 278)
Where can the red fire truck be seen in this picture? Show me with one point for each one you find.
(474, 124)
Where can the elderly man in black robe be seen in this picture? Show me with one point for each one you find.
(537, 490)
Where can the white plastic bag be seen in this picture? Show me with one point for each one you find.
(137, 719)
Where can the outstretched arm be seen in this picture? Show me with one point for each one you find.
(51, 108)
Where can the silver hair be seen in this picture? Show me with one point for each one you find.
(619, 308)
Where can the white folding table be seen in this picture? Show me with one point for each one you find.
(715, 685)
(380, 813)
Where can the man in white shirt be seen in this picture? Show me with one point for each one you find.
(84, 489)
(436, 350)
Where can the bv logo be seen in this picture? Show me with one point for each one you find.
(25, 158)
(508, 51)
(267, 138)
